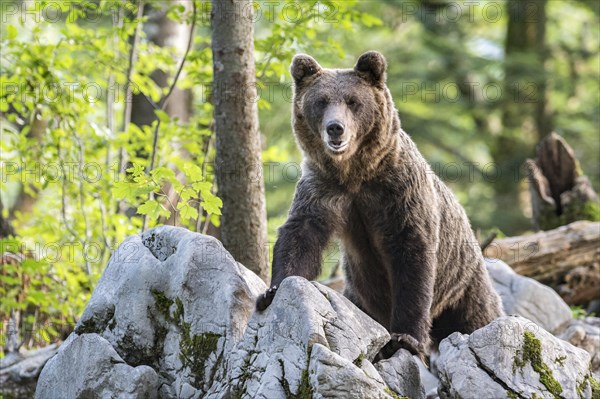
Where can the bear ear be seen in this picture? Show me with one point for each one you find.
(372, 66)
(304, 66)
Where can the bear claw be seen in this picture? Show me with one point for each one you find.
(401, 341)
(264, 300)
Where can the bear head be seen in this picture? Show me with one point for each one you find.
(337, 110)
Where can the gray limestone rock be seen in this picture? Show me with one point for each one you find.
(528, 298)
(87, 366)
(585, 334)
(173, 317)
(512, 357)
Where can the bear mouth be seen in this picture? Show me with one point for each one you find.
(337, 146)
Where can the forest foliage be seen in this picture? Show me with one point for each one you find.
(78, 175)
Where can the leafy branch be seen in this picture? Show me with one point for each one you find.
(130, 67)
(165, 101)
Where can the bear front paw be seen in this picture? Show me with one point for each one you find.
(263, 301)
(401, 341)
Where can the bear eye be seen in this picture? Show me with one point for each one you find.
(352, 102)
(322, 102)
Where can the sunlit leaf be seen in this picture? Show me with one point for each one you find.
(153, 209)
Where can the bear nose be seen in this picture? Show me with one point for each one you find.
(335, 129)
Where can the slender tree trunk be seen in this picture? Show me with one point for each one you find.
(526, 55)
(127, 109)
(6, 228)
(238, 159)
(525, 114)
(25, 201)
(162, 31)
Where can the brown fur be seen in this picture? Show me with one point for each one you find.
(409, 254)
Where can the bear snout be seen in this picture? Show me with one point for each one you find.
(335, 130)
(335, 139)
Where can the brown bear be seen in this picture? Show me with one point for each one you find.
(410, 258)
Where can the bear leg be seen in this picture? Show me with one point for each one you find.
(478, 306)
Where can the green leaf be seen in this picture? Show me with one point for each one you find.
(215, 220)
(186, 211)
(187, 193)
(193, 172)
(11, 32)
(163, 173)
(130, 191)
(153, 209)
(124, 190)
(202, 186)
(212, 204)
(369, 20)
(263, 104)
(8, 280)
(162, 116)
(137, 169)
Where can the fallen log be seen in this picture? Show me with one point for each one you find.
(19, 371)
(566, 258)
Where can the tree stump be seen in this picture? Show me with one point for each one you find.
(560, 192)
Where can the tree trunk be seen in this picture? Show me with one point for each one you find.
(238, 158)
(560, 193)
(526, 55)
(566, 259)
(6, 228)
(25, 201)
(525, 114)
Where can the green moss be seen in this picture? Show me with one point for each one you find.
(178, 315)
(594, 385)
(163, 306)
(135, 354)
(574, 211)
(305, 391)
(511, 395)
(87, 327)
(163, 303)
(112, 324)
(97, 323)
(578, 312)
(590, 381)
(359, 360)
(591, 211)
(532, 353)
(393, 394)
(560, 360)
(580, 388)
(571, 212)
(194, 349)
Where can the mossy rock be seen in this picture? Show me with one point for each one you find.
(532, 353)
